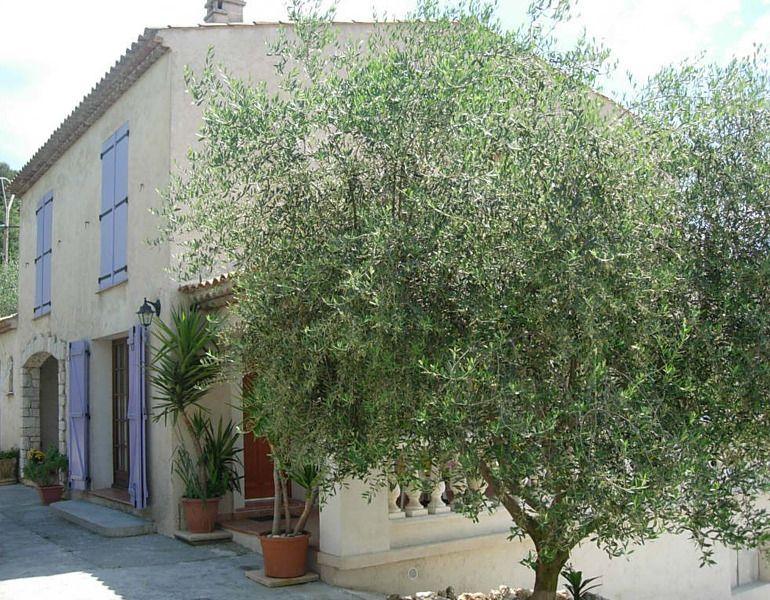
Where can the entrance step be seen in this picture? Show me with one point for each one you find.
(198, 539)
(263, 509)
(102, 520)
(115, 499)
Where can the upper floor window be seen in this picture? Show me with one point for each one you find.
(113, 216)
(44, 220)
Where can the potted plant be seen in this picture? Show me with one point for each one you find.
(9, 463)
(295, 460)
(44, 470)
(285, 546)
(184, 370)
(213, 474)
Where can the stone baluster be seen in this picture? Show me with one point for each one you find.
(394, 510)
(413, 508)
(436, 505)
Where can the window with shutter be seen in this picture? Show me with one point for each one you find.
(43, 255)
(113, 215)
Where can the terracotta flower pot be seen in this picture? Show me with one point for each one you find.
(50, 493)
(285, 557)
(200, 515)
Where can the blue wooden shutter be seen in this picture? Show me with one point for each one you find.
(106, 216)
(119, 263)
(137, 417)
(77, 441)
(113, 216)
(43, 254)
(39, 219)
(47, 251)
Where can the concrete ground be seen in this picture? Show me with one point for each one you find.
(43, 557)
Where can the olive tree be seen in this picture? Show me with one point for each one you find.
(450, 248)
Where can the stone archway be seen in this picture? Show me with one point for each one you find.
(39, 349)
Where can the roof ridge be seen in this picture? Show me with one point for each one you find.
(137, 58)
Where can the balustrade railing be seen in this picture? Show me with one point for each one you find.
(431, 492)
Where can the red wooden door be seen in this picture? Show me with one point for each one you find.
(258, 479)
(257, 465)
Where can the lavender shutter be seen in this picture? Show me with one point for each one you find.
(40, 220)
(77, 441)
(106, 214)
(47, 252)
(120, 224)
(137, 418)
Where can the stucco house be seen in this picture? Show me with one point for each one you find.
(72, 361)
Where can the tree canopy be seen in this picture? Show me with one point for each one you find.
(9, 274)
(449, 248)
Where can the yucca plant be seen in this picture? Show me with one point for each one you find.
(184, 368)
(221, 457)
(576, 585)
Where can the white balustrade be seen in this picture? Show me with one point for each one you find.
(394, 510)
(413, 507)
(436, 506)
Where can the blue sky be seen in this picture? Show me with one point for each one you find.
(51, 59)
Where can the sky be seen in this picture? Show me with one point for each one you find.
(52, 52)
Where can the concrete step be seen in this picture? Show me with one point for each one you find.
(102, 520)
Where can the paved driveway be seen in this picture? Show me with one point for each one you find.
(43, 557)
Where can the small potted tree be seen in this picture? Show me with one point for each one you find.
(9, 464)
(44, 469)
(295, 460)
(184, 370)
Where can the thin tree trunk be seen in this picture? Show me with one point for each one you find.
(547, 577)
(309, 501)
(276, 502)
(199, 449)
(286, 509)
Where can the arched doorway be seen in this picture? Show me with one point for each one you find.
(43, 393)
(49, 403)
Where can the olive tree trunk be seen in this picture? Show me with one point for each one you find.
(547, 573)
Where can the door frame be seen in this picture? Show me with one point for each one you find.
(119, 393)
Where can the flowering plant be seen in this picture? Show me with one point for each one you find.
(43, 468)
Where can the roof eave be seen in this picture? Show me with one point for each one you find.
(133, 64)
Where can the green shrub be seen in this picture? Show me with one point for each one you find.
(12, 453)
(43, 468)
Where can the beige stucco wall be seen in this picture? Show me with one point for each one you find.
(10, 406)
(362, 548)
(79, 309)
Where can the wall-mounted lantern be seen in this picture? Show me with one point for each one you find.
(147, 310)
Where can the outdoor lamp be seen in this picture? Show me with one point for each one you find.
(146, 311)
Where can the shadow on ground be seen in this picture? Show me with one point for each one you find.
(43, 557)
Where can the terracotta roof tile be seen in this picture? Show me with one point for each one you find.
(133, 64)
(188, 288)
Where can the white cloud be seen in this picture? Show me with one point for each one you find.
(644, 36)
(51, 57)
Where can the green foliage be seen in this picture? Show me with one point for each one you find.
(11, 453)
(220, 457)
(9, 274)
(576, 585)
(447, 242)
(215, 471)
(183, 366)
(44, 468)
(186, 468)
(9, 281)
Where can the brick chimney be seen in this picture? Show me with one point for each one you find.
(224, 11)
